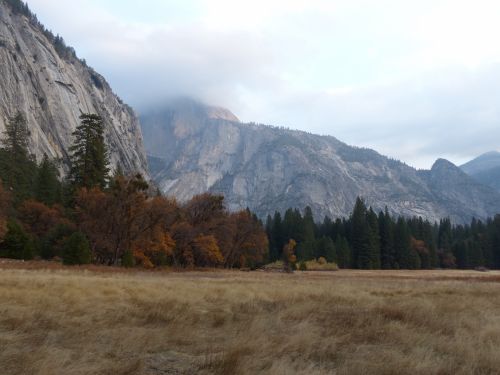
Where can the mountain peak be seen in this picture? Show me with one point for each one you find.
(485, 169)
(482, 163)
(442, 164)
(186, 106)
(221, 114)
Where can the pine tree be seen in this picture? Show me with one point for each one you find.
(278, 236)
(329, 251)
(47, 184)
(402, 245)
(429, 239)
(343, 252)
(16, 136)
(386, 230)
(360, 232)
(89, 154)
(495, 241)
(272, 244)
(308, 225)
(373, 239)
(17, 166)
(305, 232)
(76, 249)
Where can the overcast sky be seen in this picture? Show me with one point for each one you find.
(415, 80)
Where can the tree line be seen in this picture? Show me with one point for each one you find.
(370, 240)
(93, 217)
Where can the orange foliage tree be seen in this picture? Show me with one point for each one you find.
(249, 243)
(38, 218)
(289, 257)
(206, 251)
(239, 237)
(125, 219)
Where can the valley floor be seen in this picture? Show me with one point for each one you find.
(84, 321)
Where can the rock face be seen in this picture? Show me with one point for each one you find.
(485, 169)
(46, 82)
(267, 168)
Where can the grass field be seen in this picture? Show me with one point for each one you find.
(77, 321)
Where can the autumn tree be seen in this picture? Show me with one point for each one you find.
(153, 248)
(289, 257)
(39, 219)
(118, 221)
(183, 234)
(249, 244)
(206, 252)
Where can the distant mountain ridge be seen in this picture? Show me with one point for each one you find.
(43, 79)
(485, 169)
(268, 168)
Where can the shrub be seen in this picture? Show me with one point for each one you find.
(318, 265)
(76, 249)
(303, 266)
(128, 259)
(322, 260)
(17, 244)
(53, 242)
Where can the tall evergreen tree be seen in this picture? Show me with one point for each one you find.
(373, 238)
(360, 232)
(402, 244)
(89, 154)
(17, 166)
(428, 237)
(343, 252)
(386, 228)
(327, 249)
(306, 248)
(272, 243)
(278, 236)
(47, 184)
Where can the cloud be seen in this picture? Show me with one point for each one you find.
(452, 114)
(413, 80)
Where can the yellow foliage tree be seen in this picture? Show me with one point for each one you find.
(206, 251)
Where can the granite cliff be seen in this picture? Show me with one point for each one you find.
(193, 148)
(43, 79)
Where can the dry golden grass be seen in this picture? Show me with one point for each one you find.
(73, 321)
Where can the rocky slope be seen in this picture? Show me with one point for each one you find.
(485, 169)
(47, 82)
(268, 168)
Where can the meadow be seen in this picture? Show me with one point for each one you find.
(99, 320)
